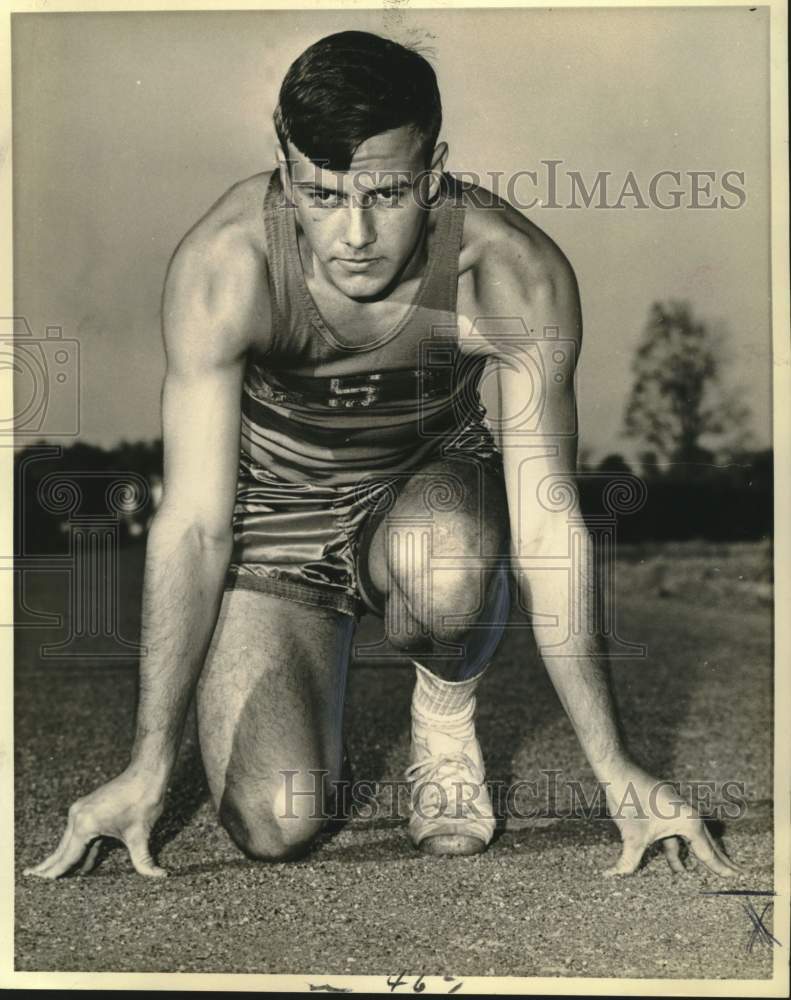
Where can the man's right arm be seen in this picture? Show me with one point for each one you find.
(190, 540)
(209, 306)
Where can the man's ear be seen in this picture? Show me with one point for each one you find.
(438, 160)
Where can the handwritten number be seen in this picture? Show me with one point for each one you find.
(419, 986)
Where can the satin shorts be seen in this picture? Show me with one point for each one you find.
(308, 542)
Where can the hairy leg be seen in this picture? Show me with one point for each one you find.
(270, 700)
(435, 558)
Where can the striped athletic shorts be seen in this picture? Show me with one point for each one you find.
(308, 542)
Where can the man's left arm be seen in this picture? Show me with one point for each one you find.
(534, 332)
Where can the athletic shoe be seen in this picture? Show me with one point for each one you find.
(451, 812)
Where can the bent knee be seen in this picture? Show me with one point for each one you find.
(266, 831)
(454, 603)
(415, 634)
(469, 641)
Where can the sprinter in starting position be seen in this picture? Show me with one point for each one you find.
(338, 312)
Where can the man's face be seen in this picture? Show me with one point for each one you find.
(363, 224)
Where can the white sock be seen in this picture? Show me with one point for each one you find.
(434, 696)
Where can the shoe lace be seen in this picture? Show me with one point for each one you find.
(441, 766)
(449, 771)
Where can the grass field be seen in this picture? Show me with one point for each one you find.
(697, 707)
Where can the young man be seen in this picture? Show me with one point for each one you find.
(340, 309)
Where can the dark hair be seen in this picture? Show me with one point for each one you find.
(350, 86)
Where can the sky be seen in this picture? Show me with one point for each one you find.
(128, 127)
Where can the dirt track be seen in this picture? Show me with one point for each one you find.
(364, 902)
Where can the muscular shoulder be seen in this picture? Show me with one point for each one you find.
(514, 269)
(215, 300)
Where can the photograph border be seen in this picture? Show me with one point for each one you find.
(781, 445)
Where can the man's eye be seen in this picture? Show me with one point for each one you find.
(389, 197)
(325, 199)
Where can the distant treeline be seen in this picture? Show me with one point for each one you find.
(55, 486)
(703, 500)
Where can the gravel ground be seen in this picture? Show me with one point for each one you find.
(364, 902)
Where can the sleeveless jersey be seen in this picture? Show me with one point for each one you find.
(318, 411)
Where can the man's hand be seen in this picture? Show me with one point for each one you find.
(646, 810)
(125, 809)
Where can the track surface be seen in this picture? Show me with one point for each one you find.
(696, 709)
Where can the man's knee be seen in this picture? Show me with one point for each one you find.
(271, 827)
(454, 607)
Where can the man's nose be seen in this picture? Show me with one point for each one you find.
(360, 231)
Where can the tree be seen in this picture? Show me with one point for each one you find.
(614, 464)
(679, 407)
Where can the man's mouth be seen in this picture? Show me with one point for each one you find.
(357, 263)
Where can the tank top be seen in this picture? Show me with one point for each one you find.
(315, 410)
